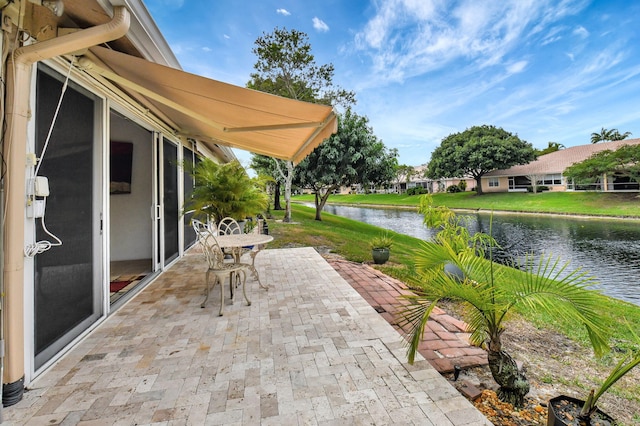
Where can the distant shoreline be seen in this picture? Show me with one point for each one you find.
(511, 212)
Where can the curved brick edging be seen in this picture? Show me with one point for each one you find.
(445, 340)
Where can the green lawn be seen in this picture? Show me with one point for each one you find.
(577, 203)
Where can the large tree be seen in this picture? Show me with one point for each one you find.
(606, 135)
(623, 161)
(353, 155)
(477, 151)
(286, 67)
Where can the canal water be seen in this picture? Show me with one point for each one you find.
(607, 249)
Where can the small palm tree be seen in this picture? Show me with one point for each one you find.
(490, 293)
(224, 190)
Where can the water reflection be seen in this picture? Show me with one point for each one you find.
(608, 249)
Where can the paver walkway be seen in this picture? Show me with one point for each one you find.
(445, 341)
(310, 351)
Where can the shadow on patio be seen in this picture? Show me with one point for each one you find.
(310, 350)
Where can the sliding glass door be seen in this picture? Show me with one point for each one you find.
(68, 278)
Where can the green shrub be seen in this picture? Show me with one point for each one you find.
(416, 190)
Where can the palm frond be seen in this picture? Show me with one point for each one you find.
(549, 286)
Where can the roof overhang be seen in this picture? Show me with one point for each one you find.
(217, 113)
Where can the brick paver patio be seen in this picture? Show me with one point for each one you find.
(445, 341)
(310, 351)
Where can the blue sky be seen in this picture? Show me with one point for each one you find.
(423, 69)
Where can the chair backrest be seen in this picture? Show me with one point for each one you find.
(212, 251)
(200, 228)
(229, 226)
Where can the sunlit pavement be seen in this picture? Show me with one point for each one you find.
(310, 350)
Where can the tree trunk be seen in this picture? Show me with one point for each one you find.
(321, 200)
(478, 185)
(513, 383)
(318, 208)
(287, 192)
(288, 178)
(276, 197)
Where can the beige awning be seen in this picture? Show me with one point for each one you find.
(218, 113)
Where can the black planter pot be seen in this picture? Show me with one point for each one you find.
(562, 405)
(380, 255)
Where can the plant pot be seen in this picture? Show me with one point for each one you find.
(380, 255)
(564, 411)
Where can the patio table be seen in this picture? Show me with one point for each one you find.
(236, 242)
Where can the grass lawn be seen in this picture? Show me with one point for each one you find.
(577, 203)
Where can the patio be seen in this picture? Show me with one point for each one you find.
(309, 351)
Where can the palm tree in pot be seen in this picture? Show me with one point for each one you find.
(224, 190)
(490, 292)
(566, 410)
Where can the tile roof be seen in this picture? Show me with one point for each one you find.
(557, 162)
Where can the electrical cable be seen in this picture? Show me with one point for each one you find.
(55, 117)
(38, 247)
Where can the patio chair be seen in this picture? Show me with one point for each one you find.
(229, 226)
(236, 272)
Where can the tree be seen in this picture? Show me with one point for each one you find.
(264, 165)
(353, 155)
(477, 151)
(534, 179)
(552, 147)
(623, 161)
(223, 190)
(609, 135)
(489, 293)
(286, 67)
(404, 173)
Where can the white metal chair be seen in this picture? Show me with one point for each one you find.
(218, 267)
(229, 226)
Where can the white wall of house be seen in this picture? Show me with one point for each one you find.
(130, 214)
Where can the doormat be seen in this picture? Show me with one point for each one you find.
(117, 285)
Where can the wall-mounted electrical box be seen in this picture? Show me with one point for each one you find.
(40, 186)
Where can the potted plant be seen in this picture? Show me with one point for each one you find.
(380, 247)
(224, 190)
(565, 410)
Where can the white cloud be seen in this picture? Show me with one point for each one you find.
(320, 25)
(207, 49)
(571, 56)
(227, 37)
(283, 12)
(516, 67)
(553, 35)
(581, 31)
(407, 38)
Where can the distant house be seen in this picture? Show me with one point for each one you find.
(418, 179)
(548, 170)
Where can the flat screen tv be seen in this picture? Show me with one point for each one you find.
(121, 167)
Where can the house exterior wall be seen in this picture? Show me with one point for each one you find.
(502, 184)
(22, 112)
